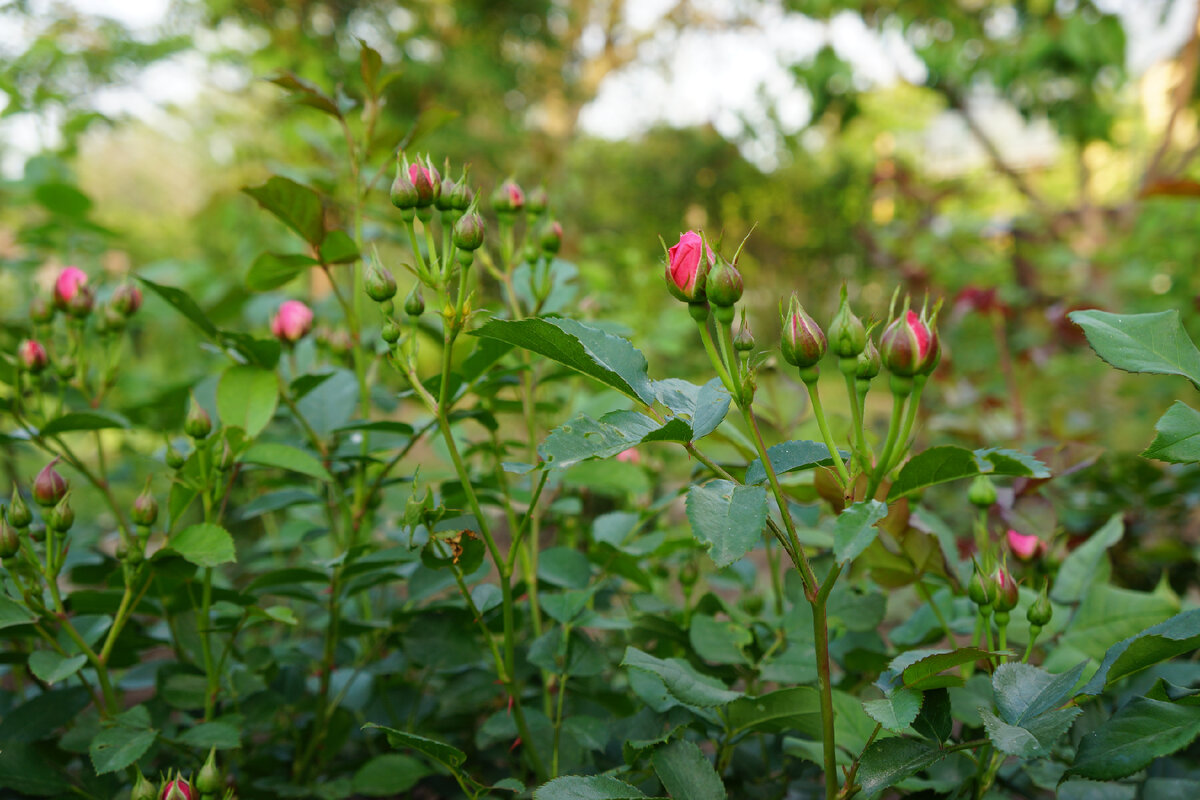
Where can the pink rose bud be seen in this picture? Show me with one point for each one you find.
(802, 341)
(145, 508)
(550, 237)
(688, 263)
(426, 181)
(907, 345)
(81, 303)
(10, 542)
(630, 456)
(469, 231)
(537, 201)
(126, 299)
(32, 355)
(49, 487)
(67, 285)
(508, 197)
(178, 789)
(403, 194)
(292, 322)
(1025, 547)
(1007, 594)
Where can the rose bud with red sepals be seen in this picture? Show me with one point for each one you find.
(688, 263)
(802, 341)
(178, 789)
(292, 322)
(414, 304)
(723, 287)
(145, 508)
(537, 201)
(18, 511)
(62, 516)
(868, 363)
(508, 198)
(197, 424)
(907, 345)
(550, 236)
(67, 285)
(982, 493)
(32, 356)
(10, 542)
(1026, 547)
(469, 231)
(380, 283)
(126, 299)
(49, 487)
(41, 310)
(847, 334)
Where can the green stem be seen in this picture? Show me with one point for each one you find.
(825, 679)
(810, 381)
(910, 419)
(856, 414)
(717, 362)
(898, 398)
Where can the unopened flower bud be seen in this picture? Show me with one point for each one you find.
(469, 231)
(1040, 612)
(537, 200)
(445, 194)
(41, 310)
(403, 194)
(847, 334)
(688, 264)
(142, 788)
(292, 322)
(178, 789)
(1007, 594)
(197, 424)
(907, 345)
(62, 516)
(982, 493)
(208, 779)
(81, 302)
(10, 542)
(145, 508)
(174, 458)
(749, 387)
(414, 304)
(723, 286)
(743, 341)
(225, 460)
(390, 332)
(461, 197)
(111, 319)
(126, 299)
(18, 511)
(33, 356)
(508, 198)
(802, 342)
(868, 363)
(64, 366)
(550, 236)
(981, 589)
(49, 488)
(67, 286)
(380, 283)
(426, 181)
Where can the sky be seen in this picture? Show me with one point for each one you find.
(727, 78)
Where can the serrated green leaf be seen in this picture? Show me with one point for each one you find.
(789, 457)
(1178, 439)
(52, 667)
(686, 772)
(583, 437)
(683, 682)
(184, 304)
(14, 613)
(719, 641)
(608, 359)
(896, 711)
(934, 721)
(1079, 569)
(296, 206)
(272, 270)
(205, 545)
(439, 751)
(855, 529)
(1174, 637)
(1155, 343)
(128, 739)
(283, 456)
(889, 761)
(590, 787)
(727, 518)
(775, 712)
(388, 775)
(1136, 735)
(338, 248)
(84, 421)
(917, 669)
(1024, 691)
(1033, 739)
(247, 397)
(950, 463)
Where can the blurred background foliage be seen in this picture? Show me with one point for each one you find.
(1014, 164)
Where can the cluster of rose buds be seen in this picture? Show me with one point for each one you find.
(206, 785)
